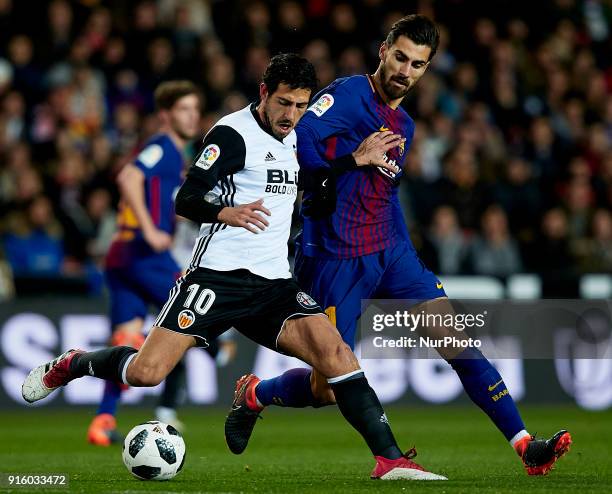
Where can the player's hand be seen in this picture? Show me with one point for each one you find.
(158, 240)
(246, 216)
(371, 152)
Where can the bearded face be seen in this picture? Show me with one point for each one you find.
(402, 64)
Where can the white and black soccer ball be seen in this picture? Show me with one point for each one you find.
(154, 451)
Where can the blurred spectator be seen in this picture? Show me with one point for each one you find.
(102, 223)
(450, 244)
(6, 76)
(67, 186)
(15, 167)
(160, 62)
(495, 252)
(12, 119)
(124, 135)
(462, 188)
(125, 89)
(550, 253)
(343, 30)
(97, 29)
(219, 79)
(114, 57)
(257, 59)
(543, 149)
(290, 33)
(518, 194)
(253, 28)
(594, 253)
(351, 62)
(32, 242)
(144, 30)
(85, 102)
(436, 144)
(55, 42)
(5, 20)
(454, 101)
(418, 197)
(26, 75)
(579, 207)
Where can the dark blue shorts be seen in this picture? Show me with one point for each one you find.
(146, 281)
(339, 285)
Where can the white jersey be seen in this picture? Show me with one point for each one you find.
(246, 163)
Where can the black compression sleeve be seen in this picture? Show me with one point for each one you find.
(190, 202)
(343, 164)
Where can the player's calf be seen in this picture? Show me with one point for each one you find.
(161, 352)
(314, 340)
(143, 373)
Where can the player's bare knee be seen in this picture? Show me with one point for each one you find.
(336, 359)
(345, 355)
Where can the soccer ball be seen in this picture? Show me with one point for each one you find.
(154, 451)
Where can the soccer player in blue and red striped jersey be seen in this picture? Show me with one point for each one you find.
(355, 243)
(140, 269)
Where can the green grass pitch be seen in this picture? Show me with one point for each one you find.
(313, 451)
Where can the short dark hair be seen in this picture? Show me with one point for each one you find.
(290, 69)
(418, 28)
(169, 92)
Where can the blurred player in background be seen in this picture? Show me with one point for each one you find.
(355, 243)
(140, 269)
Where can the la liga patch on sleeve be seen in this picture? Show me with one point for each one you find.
(151, 155)
(324, 103)
(208, 157)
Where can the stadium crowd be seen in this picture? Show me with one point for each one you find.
(510, 169)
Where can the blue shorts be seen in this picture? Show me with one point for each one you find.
(339, 285)
(146, 281)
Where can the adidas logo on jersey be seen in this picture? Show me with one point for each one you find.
(269, 157)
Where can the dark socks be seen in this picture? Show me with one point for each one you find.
(105, 364)
(362, 409)
(291, 389)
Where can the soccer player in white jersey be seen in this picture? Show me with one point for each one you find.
(242, 188)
